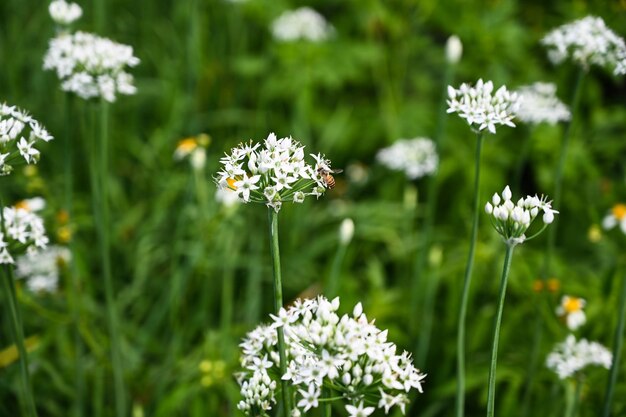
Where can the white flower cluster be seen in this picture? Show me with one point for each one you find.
(416, 157)
(20, 229)
(571, 310)
(481, 107)
(91, 66)
(64, 13)
(539, 104)
(274, 174)
(346, 355)
(41, 268)
(303, 23)
(587, 41)
(512, 220)
(616, 217)
(571, 356)
(19, 132)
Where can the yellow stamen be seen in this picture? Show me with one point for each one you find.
(619, 211)
(187, 145)
(22, 205)
(572, 304)
(231, 183)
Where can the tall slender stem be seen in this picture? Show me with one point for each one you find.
(618, 342)
(17, 332)
(491, 395)
(558, 175)
(326, 406)
(102, 221)
(572, 397)
(460, 388)
(278, 304)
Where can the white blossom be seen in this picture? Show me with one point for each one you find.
(539, 104)
(571, 310)
(481, 107)
(454, 49)
(91, 66)
(64, 13)
(571, 356)
(19, 133)
(415, 157)
(512, 220)
(346, 231)
(587, 41)
(616, 217)
(24, 230)
(303, 23)
(346, 354)
(41, 267)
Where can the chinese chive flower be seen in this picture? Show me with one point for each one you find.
(64, 13)
(19, 132)
(91, 66)
(41, 268)
(587, 41)
(571, 310)
(273, 173)
(415, 157)
(512, 220)
(571, 356)
(617, 216)
(539, 104)
(346, 354)
(22, 229)
(303, 23)
(195, 149)
(481, 107)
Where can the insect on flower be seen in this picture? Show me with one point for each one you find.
(327, 178)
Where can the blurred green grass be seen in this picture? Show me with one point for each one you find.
(211, 66)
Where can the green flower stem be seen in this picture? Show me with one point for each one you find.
(618, 342)
(491, 395)
(558, 175)
(278, 304)
(17, 332)
(460, 388)
(228, 287)
(254, 288)
(326, 403)
(572, 397)
(333, 278)
(101, 213)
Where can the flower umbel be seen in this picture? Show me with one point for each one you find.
(571, 356)
(571, 310)
(273, 173)
(21, 230)
(513, 220)
(19, 133)
(345, 354)
(64, 13)
(415, 157)
(539, 104)
(41, 268)
(481, 107)
(301, 24)
(587, 41)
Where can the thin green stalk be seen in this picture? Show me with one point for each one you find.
(17, 332)
(102, 222)
(572, 397)
(460, 388)
(333, 278)
(326, 405)
(278, 304)
(228, 286)
(491, 395)
(558, 175)
(618, 342)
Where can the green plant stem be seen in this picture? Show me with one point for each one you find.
(333, 278)
(278, 304)
(17, 332)
(558, 175)
(618, 342)
(228, 286)
(572, 397)
(102, 223)
(460, 388)
(254, 289)
(326, 406)
(491, 395)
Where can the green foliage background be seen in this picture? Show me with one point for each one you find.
(212, 67)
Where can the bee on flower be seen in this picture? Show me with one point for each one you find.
(615, 217)
(512, 220)
(571, 311)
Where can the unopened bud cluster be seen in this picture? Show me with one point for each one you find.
(512, 220)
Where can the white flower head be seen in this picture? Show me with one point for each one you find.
(571, 310)
(64, 13)
(346, 231)
(512, 220)
(24, 230)
(325, 349)
(587, 41)
(272, 173)
(301, 24)
(539, 104)
(481, 107)
(415, 157)
(19, 133)
(571, 357)
(454, 49)
(41, 268)
(91, 66)
(616, 217)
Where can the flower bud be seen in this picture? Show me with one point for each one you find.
(548, 217)
(488, 208)
(454, 49)
(495, 199)
(506, 194)
(346, 231)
